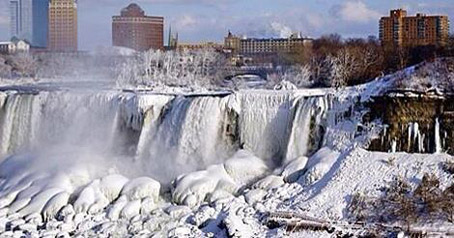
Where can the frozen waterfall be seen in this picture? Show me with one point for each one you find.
(163, 135)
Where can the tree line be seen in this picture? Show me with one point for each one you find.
(334, 62)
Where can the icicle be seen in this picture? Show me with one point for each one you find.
(438, 146)
(410, 127)
(394, 146)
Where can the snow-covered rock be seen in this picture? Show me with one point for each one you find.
(319, 165)
(140, 188)
(294, 169)
(245, 168)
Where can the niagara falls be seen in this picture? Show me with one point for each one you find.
(226, 119)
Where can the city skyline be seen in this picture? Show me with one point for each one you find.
(203, 20)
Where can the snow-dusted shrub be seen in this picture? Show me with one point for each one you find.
(400, 202)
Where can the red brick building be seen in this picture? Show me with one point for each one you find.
(133, 29)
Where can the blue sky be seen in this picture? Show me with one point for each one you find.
(209, 20)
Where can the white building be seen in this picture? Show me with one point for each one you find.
(7, 47)
(14, 46)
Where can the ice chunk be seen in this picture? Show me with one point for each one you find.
(140, 188)
(54, 205)
(131, 209)
(294, 169)
(269, 182)
(148, 205)
(245, 168)
(113, 213)
(112, 185)
(85, 200)
(39, 201)
(254, 196)
(193, 188)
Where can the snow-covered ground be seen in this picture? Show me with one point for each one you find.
(323, 193)
(101, 162)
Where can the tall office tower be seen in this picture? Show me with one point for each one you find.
(40, 23)
(21, 19)
(133, 29)
(62, 25)
(401, 30)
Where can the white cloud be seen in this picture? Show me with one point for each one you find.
(357, 11)
(186, 21)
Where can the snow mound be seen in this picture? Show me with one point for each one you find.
(319, 165)
(194, 188)
(294, 169)
(140, 188)
(244, 168)
(240, 170)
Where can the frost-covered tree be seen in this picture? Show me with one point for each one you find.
(24, 65)
(5, 69)
(193, 69)
(298, 76)
(343, 66)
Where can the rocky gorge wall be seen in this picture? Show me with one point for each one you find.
(415, 124)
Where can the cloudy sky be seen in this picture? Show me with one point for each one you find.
(209, 20)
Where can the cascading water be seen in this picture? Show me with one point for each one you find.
(305, 136)
(265, 123)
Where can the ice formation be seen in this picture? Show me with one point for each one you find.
(122, 163)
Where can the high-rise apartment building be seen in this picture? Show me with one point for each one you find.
(401, 30)
(133, 29)
(40, 23)
(62, 25)
(21, 19)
